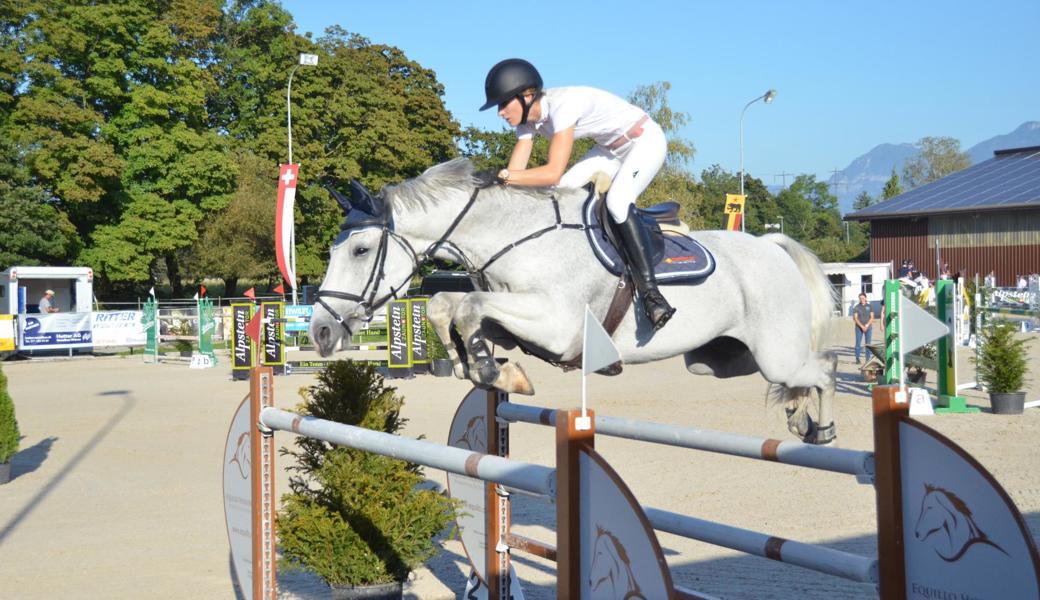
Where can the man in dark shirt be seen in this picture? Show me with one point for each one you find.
(863, 317)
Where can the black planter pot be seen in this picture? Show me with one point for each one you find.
(441, 367)
(5, 472)
(1007, 403)
(380, 591)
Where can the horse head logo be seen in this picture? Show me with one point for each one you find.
(242, 456)
(475, 436)
(947, 521)
(610, 574)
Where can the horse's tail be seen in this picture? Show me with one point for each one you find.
(822, 295)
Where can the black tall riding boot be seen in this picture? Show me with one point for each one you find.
(636, 241)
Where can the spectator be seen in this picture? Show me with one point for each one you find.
(1022, 283)
(46, 304)
(863, 318)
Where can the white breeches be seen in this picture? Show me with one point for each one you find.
(631, 168)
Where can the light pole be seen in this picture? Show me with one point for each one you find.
(846, 232)
(781, 217)
(767, 98)
(309, 60)
(305, 59)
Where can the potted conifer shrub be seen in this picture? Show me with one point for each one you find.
(440, 364)
(9, 435)
(1001, 366)
(360, 521)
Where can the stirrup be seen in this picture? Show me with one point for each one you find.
(657, 310)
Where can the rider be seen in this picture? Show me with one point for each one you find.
(630, 147)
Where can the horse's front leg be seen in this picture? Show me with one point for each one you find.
(440, 311)
(534, 318)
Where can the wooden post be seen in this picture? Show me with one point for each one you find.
(888, 487)
(568, 501)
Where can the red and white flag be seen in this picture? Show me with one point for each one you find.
(284, 225)
(249, 294)
(279, 289)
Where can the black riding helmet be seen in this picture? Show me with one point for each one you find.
(509, 79)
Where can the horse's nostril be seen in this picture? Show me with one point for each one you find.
(324, 333)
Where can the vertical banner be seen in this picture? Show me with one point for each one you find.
(272, 339)
(399, 359)
(241, 345)
(734, 211)
(150, 322)
(284, 224)
(418, 346)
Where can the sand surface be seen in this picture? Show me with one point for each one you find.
(117, 490)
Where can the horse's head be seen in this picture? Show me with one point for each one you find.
(368, 265)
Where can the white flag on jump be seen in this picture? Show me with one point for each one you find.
(598, 349)
(151, 292)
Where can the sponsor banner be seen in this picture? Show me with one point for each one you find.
(297, 316)
(397, 335)
(273, 350)
(7, 337)
(54, 331)
(118, 328)
(417, 321)
(242, 347)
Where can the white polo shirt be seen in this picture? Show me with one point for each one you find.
(594, 113)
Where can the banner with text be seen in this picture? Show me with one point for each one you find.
(55, 331)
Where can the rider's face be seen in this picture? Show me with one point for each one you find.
(512, 111)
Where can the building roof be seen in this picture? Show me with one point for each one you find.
(1009, 180)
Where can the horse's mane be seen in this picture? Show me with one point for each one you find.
(458, 174)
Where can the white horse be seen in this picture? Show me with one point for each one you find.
(765, 308)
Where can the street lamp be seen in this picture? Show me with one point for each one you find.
(305, 59)
(767, 98)
(309, 60)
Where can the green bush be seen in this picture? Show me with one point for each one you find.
(434, 344)
(353, 517)
(1001, 363)
(9, 434)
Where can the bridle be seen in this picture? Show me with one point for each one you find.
(366, 299)
(383, 219)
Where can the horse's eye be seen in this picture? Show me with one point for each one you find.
(361, 251)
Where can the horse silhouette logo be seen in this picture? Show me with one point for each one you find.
(475, 436)
(610, 575)
(947, 522)
(242, 456)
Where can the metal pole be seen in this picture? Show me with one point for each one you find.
(839, 460)
(768, 96)
(781, 223)
(288, 110)
(525, 476)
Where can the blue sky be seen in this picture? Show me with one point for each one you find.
(849, 75)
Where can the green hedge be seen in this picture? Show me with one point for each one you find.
(9, 435)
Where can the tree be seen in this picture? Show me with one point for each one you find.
(892, 187)
(239, 241)
(863, 200)
(938, 157)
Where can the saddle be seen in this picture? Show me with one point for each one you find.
(678, 258)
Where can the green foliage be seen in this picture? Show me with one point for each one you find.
(653, 99)
(939, 157)
(892, 187)
(1001, 364)
(354, 517)
(863, 200)
(435, 345)
(9, 435)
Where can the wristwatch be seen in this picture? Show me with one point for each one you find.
(503, 175)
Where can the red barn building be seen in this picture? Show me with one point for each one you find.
(981, 219)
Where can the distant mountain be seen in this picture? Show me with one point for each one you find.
(1027, 134)
(870, 172)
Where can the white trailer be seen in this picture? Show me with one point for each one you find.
(22, 287)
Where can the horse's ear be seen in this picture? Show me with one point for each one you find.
(363, 199)
(340, 199)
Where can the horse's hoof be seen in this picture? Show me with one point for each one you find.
(512, 379)
(824, 435)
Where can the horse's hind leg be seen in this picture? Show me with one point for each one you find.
(825, 430)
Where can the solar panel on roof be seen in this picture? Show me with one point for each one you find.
(1011, 179)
